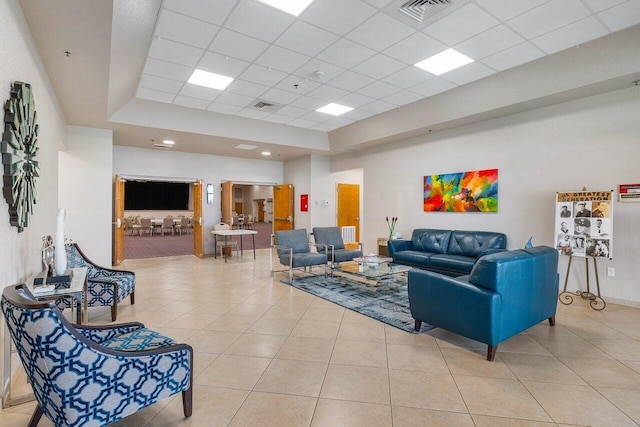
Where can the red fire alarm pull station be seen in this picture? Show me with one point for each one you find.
(304, 202)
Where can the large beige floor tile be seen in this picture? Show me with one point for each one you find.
(268, 409)
(296, 377)
(416, 358)
(331, 413)
(486, 421)
(316, 329)
(356, 383)
(534, 367)
(627, 349)
(258, 345)
(230, 322)
(362, 330)
(522, 343)
(627, 400)
(570, 346)
(242, 372)
(446, 339)
(397, 336)
(212, 341)
(461, 361)
(500, 398)
(326, 312)
(425, 390)
(415, 417)
(359, 353)
(574, 404)
(273, 326)
(303, 348)
(604, 373)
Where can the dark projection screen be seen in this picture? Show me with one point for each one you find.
(157, 196)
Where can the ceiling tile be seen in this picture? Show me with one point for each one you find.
(308, 70)
(489, 42)
(379, 66)
(415, 48)
(505, 10)
(154, 95)
(378, 90)
(258, 20)
(379, 3)
(160, 83)
(252, 114)
(223, 108)
(570, 36)
(432, 87)
(340, 121)
(278, 118)
(325, 126)
(178, 53)
(355, 100)
(468, 73)
(407, 77)
(328, 93)
(282, 59)
(461, 24)
(304, 85)
(345, 53)
(403, 97)
(292, 112)
(337, 16)
(306, 39)
(600, 5)
(351, 81)
(219, 64)
(201, 92)
(156, 67)
(317, 117)
(309, 103)
(302, 123)
(380, 32)
(242, 87)
(357, 114)
(202, 9)
(548, 17)
(238, 45)
(621, 16)
(262, 75)
(378, 107)
(280, 96)
(187, 101)
(183, 29)
(514, 56)
(234, 99)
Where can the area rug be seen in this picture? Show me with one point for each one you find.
(387, 301)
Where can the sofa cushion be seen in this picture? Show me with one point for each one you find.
(498, 270)
(458, 263)
(430, 240)
(472, 243)
(138, 340)
(417, 258)
(342, 255)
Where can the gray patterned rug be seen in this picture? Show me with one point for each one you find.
(387, 301)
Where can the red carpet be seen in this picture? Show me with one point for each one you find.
(136, 247)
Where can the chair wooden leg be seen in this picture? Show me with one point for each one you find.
(552, 320)
(114, 311)
(35, 418)
(417, 325)
(491, 352)
(132, 298)
(187, 401)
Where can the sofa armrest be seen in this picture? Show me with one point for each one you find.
(398, 245)
(489, 252)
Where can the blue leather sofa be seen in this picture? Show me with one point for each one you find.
(505, 294)
(448, 252)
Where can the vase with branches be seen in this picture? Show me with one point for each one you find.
(391, 223)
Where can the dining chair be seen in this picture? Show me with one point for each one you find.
(145, 225)
(131, 227)
(182, 225)
(223, 243)
(93, 375)
(248, 222)
(167, 224)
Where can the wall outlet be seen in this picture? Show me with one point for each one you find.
(611, 272)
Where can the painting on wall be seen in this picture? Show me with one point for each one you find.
(474, 191)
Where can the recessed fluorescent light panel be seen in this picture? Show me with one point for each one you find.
(168, 142)
(334, 109)
(444, 61)
(294, 7)
(212, 80)
(246, 147)
(266, 153)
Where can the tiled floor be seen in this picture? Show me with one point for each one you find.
(270, 355)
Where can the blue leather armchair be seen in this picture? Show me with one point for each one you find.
(332, 239)
(505, 294)
(93, 375)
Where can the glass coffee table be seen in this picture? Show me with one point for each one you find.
(373, 268)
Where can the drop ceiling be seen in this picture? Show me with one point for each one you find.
(358, 53)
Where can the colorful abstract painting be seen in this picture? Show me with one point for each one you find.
(475, 191)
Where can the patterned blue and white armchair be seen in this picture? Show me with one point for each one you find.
(93, 375)
(106, 287)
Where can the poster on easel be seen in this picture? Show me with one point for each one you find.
(584, 223)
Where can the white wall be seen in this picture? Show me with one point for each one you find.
(590, 143)
(298, 173)
(86, 191)
(321, 191)
(211, 169)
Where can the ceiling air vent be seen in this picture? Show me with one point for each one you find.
(421, 9)
(266, 106)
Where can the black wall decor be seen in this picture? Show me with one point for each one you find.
(153, 195)
(19, 150)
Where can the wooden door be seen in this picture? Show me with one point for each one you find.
(261, 211)
(198, 221)
(238, 208)
(349, 206)
(226, 202)
(283, 207)
(118, 218)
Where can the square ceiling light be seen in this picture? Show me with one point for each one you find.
(444, 61)
(334, 109)
(207, 79)
(293, 7)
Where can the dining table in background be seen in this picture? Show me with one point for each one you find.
(230, 233)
